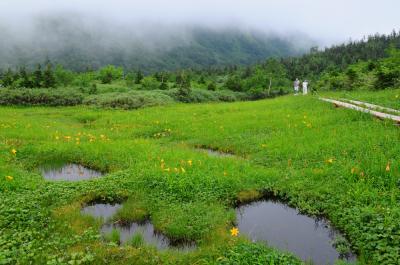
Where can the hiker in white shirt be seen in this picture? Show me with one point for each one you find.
(305, 87)
(296, 86)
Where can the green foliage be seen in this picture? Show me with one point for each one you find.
(113, 237)
(150, 83)
(137, 240)
(8, 79)
(37, 76)
(139, 77)
(234, 84)
(48, 77)
(93, 89)
(63, 77)
(43, 97)
(84, 79)
(130, 79)
(129, 100)
(340, 56)
(246, 254)
(212, 86)
(110, 73)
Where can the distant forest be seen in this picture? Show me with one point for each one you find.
(371, 63)
(80, 47)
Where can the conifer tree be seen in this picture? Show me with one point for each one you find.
(48, 76)
(37, 76)
(139, 77)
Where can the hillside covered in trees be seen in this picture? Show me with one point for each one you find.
(372, 64)
(82, 45)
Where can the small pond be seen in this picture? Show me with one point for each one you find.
(284, 228)
(215, 153)
(101, 210)
(127, 231)
(68, 172)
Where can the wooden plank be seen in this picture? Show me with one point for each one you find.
(377, 114)
(371, 106)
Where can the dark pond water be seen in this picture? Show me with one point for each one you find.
(149, 235)
(145, 229)
(103, 210)
(283, 227)
(215, 153)
(69, 172)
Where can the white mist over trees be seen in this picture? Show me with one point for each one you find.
(81, 43)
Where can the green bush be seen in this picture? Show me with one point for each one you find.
(129, 100)
(109, 73)
(202, 95)
(150, 83)
(44, 97)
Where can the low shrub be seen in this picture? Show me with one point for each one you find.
(43, 97)
(129, 100)
(202, 95)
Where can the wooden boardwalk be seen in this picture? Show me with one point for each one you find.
(371, 106)
(378, 114)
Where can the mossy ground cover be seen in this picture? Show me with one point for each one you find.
(332, 162)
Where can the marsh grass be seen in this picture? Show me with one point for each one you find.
(113, 237)
(137, 240)
(322, 160)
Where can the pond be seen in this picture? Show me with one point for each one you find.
(284, 228)
(215, 153)
(101, 210)
(68, 172)
(127, 231)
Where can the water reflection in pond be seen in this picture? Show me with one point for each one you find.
(216, 153)
(103, 210)
(283, 227)
(69, 172)
(128, 231)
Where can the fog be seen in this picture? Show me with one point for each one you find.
(326, 21)
(146, 34)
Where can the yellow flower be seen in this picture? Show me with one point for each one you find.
(329, 161)
(388, 167)
(190, 162)
(57, 138)
(9, 178)
(234, 231)
(13, 151)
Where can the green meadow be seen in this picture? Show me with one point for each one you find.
(325, 161)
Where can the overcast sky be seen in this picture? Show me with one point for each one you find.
(327, 21)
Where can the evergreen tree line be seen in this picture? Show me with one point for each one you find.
(339, 57)
(333, 68)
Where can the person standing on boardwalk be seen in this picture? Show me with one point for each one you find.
(305, 87)
(296, 86)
